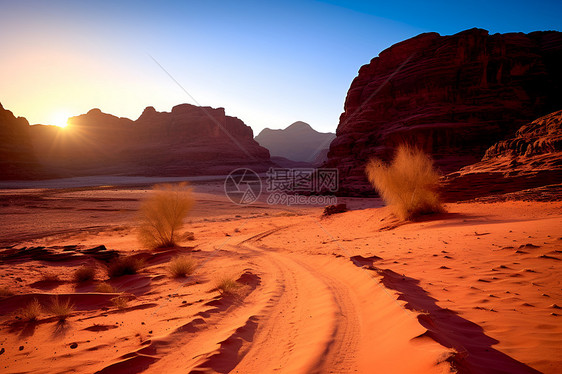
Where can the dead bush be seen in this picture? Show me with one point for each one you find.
(408, 184)
(124, 266)
(31, 311)
(84, 274)
(61, 309)
(162, 214)
(182, 266)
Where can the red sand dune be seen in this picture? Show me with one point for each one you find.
(474, 290)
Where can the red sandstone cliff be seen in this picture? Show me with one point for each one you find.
(189, 140)
(17, 157)
(531, 158)
(455, 96)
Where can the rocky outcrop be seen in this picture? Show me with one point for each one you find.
(298, 142)
(91, 143)
(196, 140)
(454, 96)
(530, 159)
(189, 140)
(540, 137)
(17, 157)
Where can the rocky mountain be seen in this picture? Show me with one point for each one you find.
(298, 142)
(189, 140)
(454, 96)
(531, 158)
(17, 157)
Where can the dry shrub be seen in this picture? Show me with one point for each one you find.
(61, 309)
(105, 288)
(182, 266)
(188, 236)
(84, 274)
(162, 215)
(48, 277)
(408, 185)
(120, 302)
(124, 266)
(226, 285)
(5, 292)
(31, 311)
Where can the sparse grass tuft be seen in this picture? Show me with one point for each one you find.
(84, 274)
(50, 278)
(182, 266)
(408, 185)
(162, 215)
(120, 302)
(124, 266)
(105, 287)
(31, 311)
(226, 285)
(61, 309)
(188, 236)
(5, 292)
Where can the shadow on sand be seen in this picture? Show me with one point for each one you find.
(474, 347)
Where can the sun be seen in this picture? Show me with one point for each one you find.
(60, 119)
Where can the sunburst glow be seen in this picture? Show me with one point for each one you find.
(60, 119)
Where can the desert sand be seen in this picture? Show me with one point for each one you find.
(473, 290)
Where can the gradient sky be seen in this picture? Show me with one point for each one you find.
(269, 63)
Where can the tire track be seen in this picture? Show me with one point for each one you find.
(339, 355)
(307, 293)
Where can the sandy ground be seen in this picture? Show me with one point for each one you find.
(474, 290)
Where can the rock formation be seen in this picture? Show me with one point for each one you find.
(189, 140)
(298, 142)
(540, 137)
(454, 96)
(530, 159)
(197, 139)
(92, 143)
(17, 157)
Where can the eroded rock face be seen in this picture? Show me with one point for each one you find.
(189, 140)
(17, 157)
(540, 137)
(454, 96)
(531, 158)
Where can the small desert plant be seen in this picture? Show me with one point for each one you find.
(84, 274)
(124, 266)
(5, 292)
(182, 266)
(408, 185)
(162, 214)
(120, 302)
(61, 309)
(31, 311)
(50, 278)
(188, 235)
(105, 288)
(226, 285)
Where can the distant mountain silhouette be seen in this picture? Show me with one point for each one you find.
(189, 140)
(17, 158)
(298, 142)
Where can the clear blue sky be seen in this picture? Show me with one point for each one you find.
(268, 63)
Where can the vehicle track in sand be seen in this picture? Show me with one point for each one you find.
(307, 298)
(305, 314)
